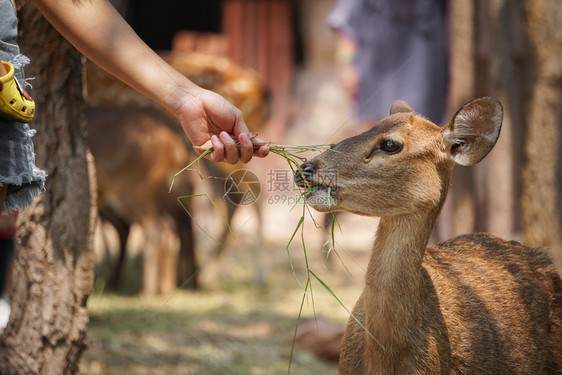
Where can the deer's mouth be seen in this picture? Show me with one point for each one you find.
(320, 187)
(321, 197)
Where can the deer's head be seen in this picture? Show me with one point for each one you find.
(401, 164)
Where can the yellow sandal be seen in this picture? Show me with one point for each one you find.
(13, 105)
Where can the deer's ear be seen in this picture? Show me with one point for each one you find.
(400, 106)
(474, 130)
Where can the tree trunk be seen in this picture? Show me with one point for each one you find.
(53, 270)
(541, 182)
(459, 212)
(489, 57)
(497, 42)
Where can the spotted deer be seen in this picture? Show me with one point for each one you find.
(475, 304)
(137, 148)
(135, 151)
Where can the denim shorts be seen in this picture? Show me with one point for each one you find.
(17, 158)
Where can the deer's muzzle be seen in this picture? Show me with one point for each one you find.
(305, 175)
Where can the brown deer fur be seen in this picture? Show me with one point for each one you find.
(137, 148)
(135, 154)
(475, 304)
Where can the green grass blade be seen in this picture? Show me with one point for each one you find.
(205, 153)
(297, 328)
(191, 216)
(301, 221)
(334, 219)
(223, 216)
(346, 309)
(307, 264)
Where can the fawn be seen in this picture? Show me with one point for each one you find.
(474, 304)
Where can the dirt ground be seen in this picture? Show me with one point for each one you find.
(233, 326)
(230, 327)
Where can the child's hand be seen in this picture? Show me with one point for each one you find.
(209, 120)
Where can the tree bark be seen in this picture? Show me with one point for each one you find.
(459, 212)
(489, 56)
(541, 181)
(496, 43)
(53, 269)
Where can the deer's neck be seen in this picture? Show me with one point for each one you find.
(394, 294)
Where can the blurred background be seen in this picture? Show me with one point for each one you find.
(180, 291)
(306, 72)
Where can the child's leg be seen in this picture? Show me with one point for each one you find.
(7, 245)
(6, 253)
(3, 191)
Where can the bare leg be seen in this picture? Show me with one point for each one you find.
(3, 191)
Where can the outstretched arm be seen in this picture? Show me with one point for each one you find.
(96, 29)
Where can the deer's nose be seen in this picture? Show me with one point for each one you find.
(306, 172)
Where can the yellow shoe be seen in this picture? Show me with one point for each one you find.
(13, 105)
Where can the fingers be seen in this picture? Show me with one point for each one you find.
(218, 149)
(234, 143)
(246, 148)
(230, 148)
(262, 151)
(226, 149)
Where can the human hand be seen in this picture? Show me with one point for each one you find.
(209, 120)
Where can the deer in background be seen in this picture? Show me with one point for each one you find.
(137, 148)
(475, 304)
(135, 152)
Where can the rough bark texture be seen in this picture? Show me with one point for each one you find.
(459, 213)
(494, 76)
(541, 181)
(496, 49)
(53, 271)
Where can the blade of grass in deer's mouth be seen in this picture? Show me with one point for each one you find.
(320, 189)
(291, 153)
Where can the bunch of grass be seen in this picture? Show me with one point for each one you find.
(292, 154)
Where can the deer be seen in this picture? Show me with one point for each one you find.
(134, 151)
(473, 304)
(133, 140)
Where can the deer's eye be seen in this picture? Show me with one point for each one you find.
(391, 147)
(387, 146)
